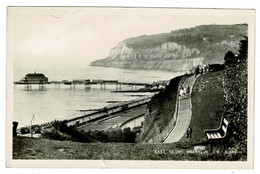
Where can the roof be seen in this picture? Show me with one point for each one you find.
(35, 75)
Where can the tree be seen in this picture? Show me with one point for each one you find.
(243, 49)
(229, 57)
(129, 136)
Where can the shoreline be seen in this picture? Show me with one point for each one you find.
(108, 112)
(158, 70)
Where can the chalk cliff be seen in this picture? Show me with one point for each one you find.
(176, 51)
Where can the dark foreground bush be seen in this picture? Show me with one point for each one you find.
(60, 131)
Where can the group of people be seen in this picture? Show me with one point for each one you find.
(199, 70)
(184, 90)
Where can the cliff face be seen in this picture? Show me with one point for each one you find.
(176, 51)
(169, 56)
(169, 50)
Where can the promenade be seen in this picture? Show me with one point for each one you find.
(115, 121)
(108, 111)
(183, 115)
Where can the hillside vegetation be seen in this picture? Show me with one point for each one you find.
(224, 93)
(60, 131)
(196, 37)
(161, 110)
(236, 96)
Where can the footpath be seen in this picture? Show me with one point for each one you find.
(183, 115)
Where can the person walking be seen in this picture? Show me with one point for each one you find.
(181, 91)
(189, 132)
(197, 71)
(188, 89)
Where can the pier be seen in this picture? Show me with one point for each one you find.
(102, 83)
(87, 83)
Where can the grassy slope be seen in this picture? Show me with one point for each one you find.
(190, 37)
(161, 109)
(29, 148)
(207, 103)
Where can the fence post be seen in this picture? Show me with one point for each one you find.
(15, 124)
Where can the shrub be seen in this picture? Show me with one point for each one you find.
(235, 87)
(60, 131)
(129, 136)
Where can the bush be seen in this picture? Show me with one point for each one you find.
(54, 135)
(235, 87)
(60, 131)
(129, 136)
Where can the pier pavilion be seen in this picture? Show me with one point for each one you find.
(33, 78)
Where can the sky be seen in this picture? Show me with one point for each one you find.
(76, 36)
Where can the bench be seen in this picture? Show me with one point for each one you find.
(220, 133)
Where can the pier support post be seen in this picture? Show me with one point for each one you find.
(57, 85)
(87, 86)
(102, 85)
(118, 86)
(40, 86)
(28, 86)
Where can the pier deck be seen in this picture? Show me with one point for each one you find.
(89, 82)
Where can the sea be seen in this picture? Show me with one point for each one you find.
(59, 102)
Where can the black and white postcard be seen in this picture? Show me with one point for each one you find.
(130, 87)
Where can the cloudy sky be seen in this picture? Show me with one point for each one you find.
(72, 36)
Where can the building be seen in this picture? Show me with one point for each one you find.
(35, 78)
